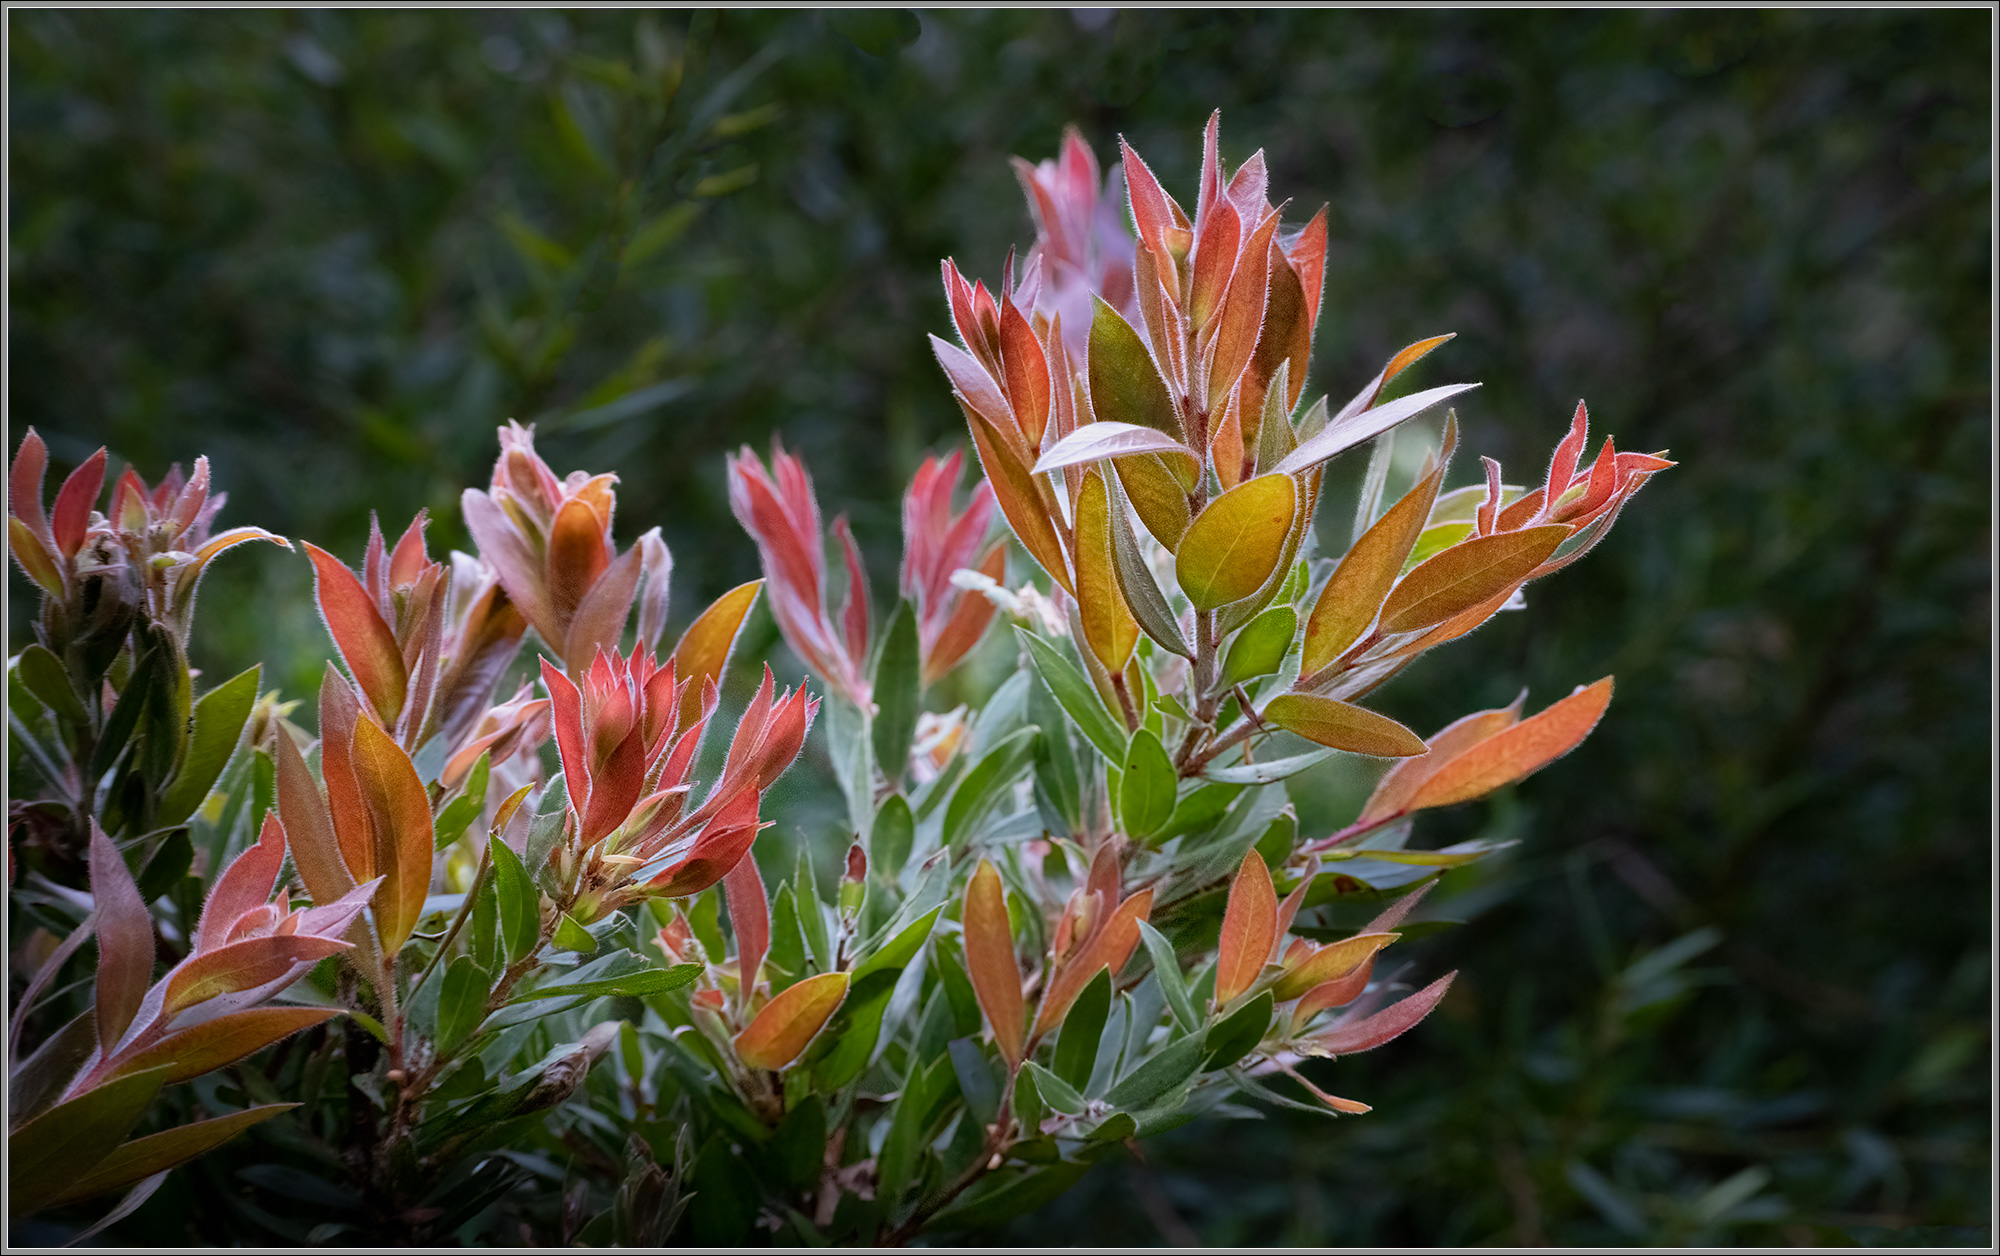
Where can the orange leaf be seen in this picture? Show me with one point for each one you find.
(989, 958)
(577, 553)
(1396, 366)
(1356, 590)
(224, 1040)
(968, 621)
(1020, 499)
(1242, 314)
(704, 648)
(1342, 725)
(399, 816)
(788, 1022)
(1329, 962)
(1249, 928)
(366, 643)
(1394, 791)
(1027, 371)
(241, 966)
(1109, 947)
(1467, 574)
(1336, 993)
(1515, 752)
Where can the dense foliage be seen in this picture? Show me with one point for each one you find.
(1734, 981)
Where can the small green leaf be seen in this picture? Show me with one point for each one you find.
(898, 688)
(462, 1001)
(785, 962)
(218, 725)
(519, 901)
(637, 981)
(1269, 770)
(43, 674)
(890, 839)
(984, 784)
(1174, 1064)
(1259, 650)
(1058, 1093)
(1028, 1106)
(167, 866)
(847, 1045)
(975, 1079)
(1072, 689)
(1146, 788)
(1082, 1029)
(572, 936)
(461, 811)
(812, 917)
(1238, 1033)
(1167, 971)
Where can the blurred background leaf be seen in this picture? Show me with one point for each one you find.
(1733, 987)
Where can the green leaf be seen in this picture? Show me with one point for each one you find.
(1147, 785)
(1136, 582)
(785, 962)
(1082, 1030)
(1174, 1064)
(847, 1044)
(975, 1079)
(156, 1153)
(890, 839)
(167, 866)
(1167, 971)
(36, 1082)
(1268, 771)
(461, 1001)
(218, 725)
(984, 785)
(797, 1149)
(1259, 650)
(1234, 545)
(48, 1155)
(898, 688)
(1056, 770)
(1058, 1093)
(572, 936)
(1028, 1106)
(520, 902)
(850, 745)
(1238, 1033)
(632, 976)
(1125, 386)
(1200, 808)
(812, 918)
(43, 674)
(923, 1090)
(1073, 690)
(461, 811)
(1010, 1197)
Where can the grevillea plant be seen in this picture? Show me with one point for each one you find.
(1079, 915)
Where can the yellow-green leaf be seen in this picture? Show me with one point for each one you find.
(1157, 493)
(1231, 549)
(1125, 386)
(1342, 725)
(1356, 590)
(1108, 626)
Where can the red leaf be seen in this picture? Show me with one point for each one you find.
(1398, 1018)
(399, 814)
(750, 920)
(244, 886)
(1394, 791)
(24, 485)
(224, 1040)
(1027, 371)
(124, 941)
(240, 966)
(70, 521)
(366, 643)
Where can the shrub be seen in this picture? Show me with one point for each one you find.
(1074, 917)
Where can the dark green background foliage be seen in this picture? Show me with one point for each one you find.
(1734, 985)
